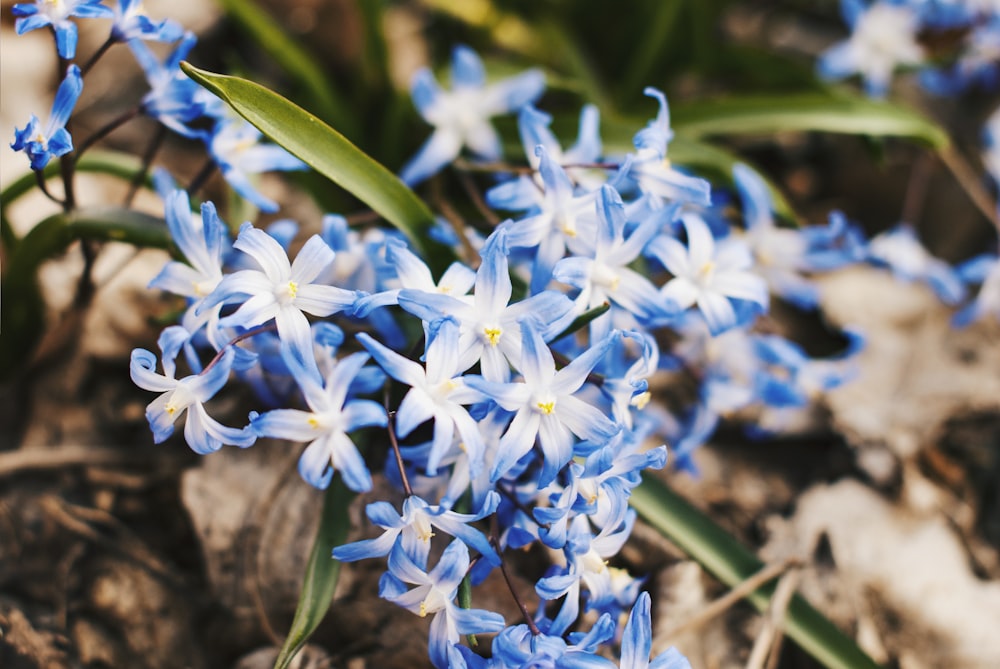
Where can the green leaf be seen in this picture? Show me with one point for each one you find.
(583, 320)
(22, 318)
(294, 60)
(716, 163)
(333, 155)
(729, 561)
(322, 572)
(120, 165)
(840, 113)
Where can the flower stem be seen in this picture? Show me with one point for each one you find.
(108, 128)
(495, 542)
(147, 160)
(234, 341)
(395, 445)
(108, 43)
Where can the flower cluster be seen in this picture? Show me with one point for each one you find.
(173, 99)
(511, 396)
(521, 414)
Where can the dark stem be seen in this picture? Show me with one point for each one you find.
(470, 187)
(236, 340)
(395, 445)
(202, 176)
(916, 189)
(147, 161)
(592, 377)
(85, 288)
(108, 128)
(495, 542)
(42, 186)
(110, 42)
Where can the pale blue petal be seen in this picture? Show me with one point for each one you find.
(443, 146)
(264, 249)
(314, 464)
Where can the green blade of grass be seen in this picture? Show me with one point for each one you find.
(22, 318)
(729, 561)
(332, 155)
(322, 572)
(839, 113)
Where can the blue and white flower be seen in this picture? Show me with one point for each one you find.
(461, 116)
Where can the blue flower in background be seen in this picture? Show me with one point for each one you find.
(236, 147)
(436, 392)
(202, 433)
(709, 274)
(546, 406)
(413, 530)
(52, 141)
(57, 14)
(983, 270)
(435, 594)
(900, 250)
(883, 37)
(131, 22)
(280, 290)
(461, 116)
(174, 99)
(325, 426)
(637, 642)
(650, 168)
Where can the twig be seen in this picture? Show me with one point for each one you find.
(916, 189)
(62, 457)
(458, 225)
(80, 520)
(495, 542)
(470, 187)
(969, 181)
(395, 444)
(722, 604)
(768, 642)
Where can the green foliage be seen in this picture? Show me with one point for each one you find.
(322, 572)
(332, 155)
(724, 557)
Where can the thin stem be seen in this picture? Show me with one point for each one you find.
(147, 160)
(234, 341)
(969, 181)
(916, 189)
(470, 187)
(108, 128)
(202, 176)
(389, 426)
(108, 43)
(42, 186)
(495, 542)
(85, 288)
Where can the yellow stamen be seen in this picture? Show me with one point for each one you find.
(641, 400)
(493, 335)
(547, 407)
(423, 609)
(293, 289)
(170, 409)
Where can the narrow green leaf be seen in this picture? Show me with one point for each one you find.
(334, 156)
(293, 59)
(22, 317)
(716, 163)
(652, 41)
(583, 320)
(729, 561)
(841, 113)
(120, 165)
(322, 572)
